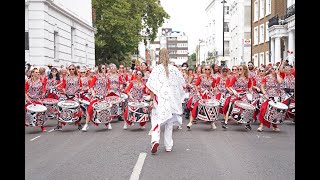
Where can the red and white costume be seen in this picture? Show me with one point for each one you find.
(271, 87)
(50, 86)
(136, 90)
(114, 82)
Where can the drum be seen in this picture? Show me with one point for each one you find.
(275, 112)
(123, 104)
(52, 108)
(35, 115)
(68, 111)
(115, 101)
(138, 112)
(101, 112)
(291, 110)
(242, 111)
(208, 110)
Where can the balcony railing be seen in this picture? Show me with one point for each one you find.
(290, 11)
(273, 21)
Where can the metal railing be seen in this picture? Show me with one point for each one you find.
(273, 21)
(290, 11)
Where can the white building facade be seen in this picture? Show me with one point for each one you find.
(240, 32)
(283, 29)
(215, 27)
(59, 32)
(176, 43)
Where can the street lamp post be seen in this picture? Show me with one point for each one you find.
(223, 1)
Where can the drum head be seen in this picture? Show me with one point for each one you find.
(102, 105)
(278, 105)
(68, 104)
(36, 108)
(138, 104)
(244, 105)
(210, 102)
(50, 101)
(113, 99)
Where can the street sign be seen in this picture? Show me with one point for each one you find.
(247, 42)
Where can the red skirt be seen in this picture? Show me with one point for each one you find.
(263, 110)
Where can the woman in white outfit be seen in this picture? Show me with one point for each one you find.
(166, 85)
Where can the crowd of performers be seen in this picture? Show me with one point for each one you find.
(99, 95)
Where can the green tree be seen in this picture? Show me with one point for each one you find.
(119, 23)
(192, 60)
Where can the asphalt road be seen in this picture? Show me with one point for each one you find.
(201, 153)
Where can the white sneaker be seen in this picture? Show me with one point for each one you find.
(125, 126)
(109, 126)
(213, 125)
(276, 129)
(85, 127)
(179, 127)
(142, 127)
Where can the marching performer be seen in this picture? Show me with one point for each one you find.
(204, 89)
(34, 90)
(166, 85)
(238, 85)
(52, 82)
(98, 88)
(135, 91)
(270, 89)
(71, 86)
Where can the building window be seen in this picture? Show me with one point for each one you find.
(172, 38)
(55, 45)
(72, 42)
(26, 40)
(255, 59)
(226, 48)
(226, 27)
(267, 32)
(226, 10)
(268, 7)
(256, 10)
(262, 4)
(255, 40)
(172, 45)
(172, 52)
(261, 34)
(268, 59)
(262, 58)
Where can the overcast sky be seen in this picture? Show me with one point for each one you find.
(188, 16)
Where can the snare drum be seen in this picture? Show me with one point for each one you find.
(115, 101)
(35, 115)
(123, 104)
(208, 110)
(138, 112)
(52, 108)
(101, 112)
(291, 110)
(68, 111)
(242, 111)
(275, 112)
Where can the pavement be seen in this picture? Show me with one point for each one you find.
(201, 153)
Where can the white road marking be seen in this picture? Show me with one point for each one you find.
(137, 168)
(34, 138)
(51, 130)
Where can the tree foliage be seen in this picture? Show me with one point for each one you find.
(119, 25)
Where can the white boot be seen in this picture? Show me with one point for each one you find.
(213, 126)
(125, 126)
(109, 126)
(85, 127)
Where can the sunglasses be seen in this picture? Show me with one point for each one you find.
(274, 68)
(71, 69)
(261, 70)
(240, 69)
(234, 69)
(83, 72)
(139, 74)
(103, 68)
(224, 71)
(207, 69)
